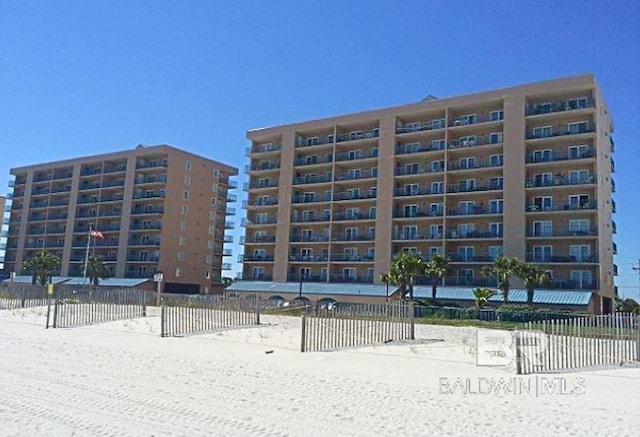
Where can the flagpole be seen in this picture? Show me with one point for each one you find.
(86, 255)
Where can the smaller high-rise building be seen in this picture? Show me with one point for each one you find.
(154, 209)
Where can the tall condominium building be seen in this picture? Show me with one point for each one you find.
(522, 172)
(157, 209)
(3, 232)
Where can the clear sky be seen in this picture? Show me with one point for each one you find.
(86, 77)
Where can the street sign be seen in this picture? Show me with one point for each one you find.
(50, 289)
(157, 277)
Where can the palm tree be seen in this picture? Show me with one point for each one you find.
(385, 278)
(41, 267)
(502, 268)
(533, 276)
(228, 281)
(96, 270)
(404, 268)
(482, 296)
(436, 268)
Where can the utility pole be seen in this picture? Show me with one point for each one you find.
(637, 269)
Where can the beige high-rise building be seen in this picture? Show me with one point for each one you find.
(522, 172)
(158, 208)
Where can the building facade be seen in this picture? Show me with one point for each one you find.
(157, 209)
(522, 172)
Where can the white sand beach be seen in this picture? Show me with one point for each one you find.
(122, 379)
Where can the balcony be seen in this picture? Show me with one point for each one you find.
(474, 164)
(344, 216)
(464, 281)
(615, 248)
(472, 187)
(230, 211)
(297, 257)
(40, 191)
(415, 170)
(401, 213)
(358, 135)
(310, 218)
(225, 266)
(474, 210)
(263, 148)
(115, 168)
(62, 175)
(256, 277)
(561, 207)
(353, 237)
(141, 211)
(613, 186)
(420, 126)
(559, 106)
(420, 191)
(313, 160)
(232, 197)
(142, 258)
(259, 239)
(151, 179)
(314, 141)
(229, 225)
(551, 156)
(574, 285)
(89, 186)
(58, 202)
(355, 156)
(474, 140)
(308, 198)
(561, 232)
(467, 120)
(259, 221)
(261, 202)
(11, 183)
(268, 183)
(613, 165)
(354, 195)
(352, 279)
(415, 236)
(151, 164)
(295, 277)
(343, 257)
(471, 258)
(149, 242)
(559, 181)
(256, 258)
(557, 132)
(356, 175)
(150, 195)
(311, 179)
(262, 166)
(145, 226)
(562, 259)
(472, 235)
(305, 238)
(411, 148)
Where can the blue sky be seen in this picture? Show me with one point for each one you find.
(85, 77)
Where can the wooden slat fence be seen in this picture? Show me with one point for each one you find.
(84, 306)
(582, 342)
(354, 325)
(15, 296)
(185, 315)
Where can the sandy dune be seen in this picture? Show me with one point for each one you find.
(122, 379)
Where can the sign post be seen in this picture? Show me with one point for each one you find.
(158, 278)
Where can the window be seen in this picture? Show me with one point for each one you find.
(435, 231)
(542, 253)
(579, 103)
(214, 187)
(411, 250)
(465, 119)
(212, 229)
(543, 179)
(372, 212)
(410, 232)
(437, 145)
(355, 154)
(181, 240)
(215, 172)
(581, 278)
(258, 273)
(543, 228)
(435, 250)
(187, 180)
(496, 229)
(578, 201)
(578, 128)
(466, 230)
(411, 210)
(542, 132)
(545, 155)
(183, 225)
(579, 227)
(466, 207)
(579, 177)
(576, 152)
(213, 202)
(210, 244)
(413, 168)
(208, 259)
(180, 256)
(496, 206)
(374, 172)
(411, 189)
(438, 124)
(437, 187)
(312, 141)
(373, 192)
(437, 166)
(496, 115)
(495, 138)
(467, 185)
(185, 209)
(435, 209)
(469, 162)
(496, 183)
(495, 252)
(187, 165)
(580, 253)
(465, 253)
(308, 216)
(412, 147)
(349, 273)
(496, 160)
(185, 194)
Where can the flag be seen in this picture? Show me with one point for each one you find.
(96, 234)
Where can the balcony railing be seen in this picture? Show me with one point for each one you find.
(260, 239)
(558, 106)
(230, 211)
(358, 135)
(270, 183)
(562, 155)
(140, 226)
(351, 258)
(557, 132)
(349, 195)
(152, 164)
(467, 121)
(573, 285)
(310, 198)
(313, 160)
(475, 210)
(474, 141)
(259, 221)
(256, 258)
(257, 277)
(314, 141)
(358, 279)
(457, 235)
(311, 179)
(403, 191)
(469, 188)
(463, 281)
(341, 216)
(420, 126)
(231, 197)
(561, 232)
(532, 207)
(559, 181)
(308, 258)
(414, 170)
(405, 149)
(352, 176)
(147, 211)
(352, 237)
(295, 277)
(309, 218)
(150, 242)
(350, 156)
(262, 202)
(471, 258)
(151, 195)
(415, 214)
(476, 164)
(263, 166)
(411, 236)
(142, 258)
(304, 238)
(559, 258)
(263, 148)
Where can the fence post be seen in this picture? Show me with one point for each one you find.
(304, 333)
(163, 318)
(143, 296)
(48, 311)
(412, 321)
(257, 309)
(638, 337)
(55, 311)
(516, 335)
